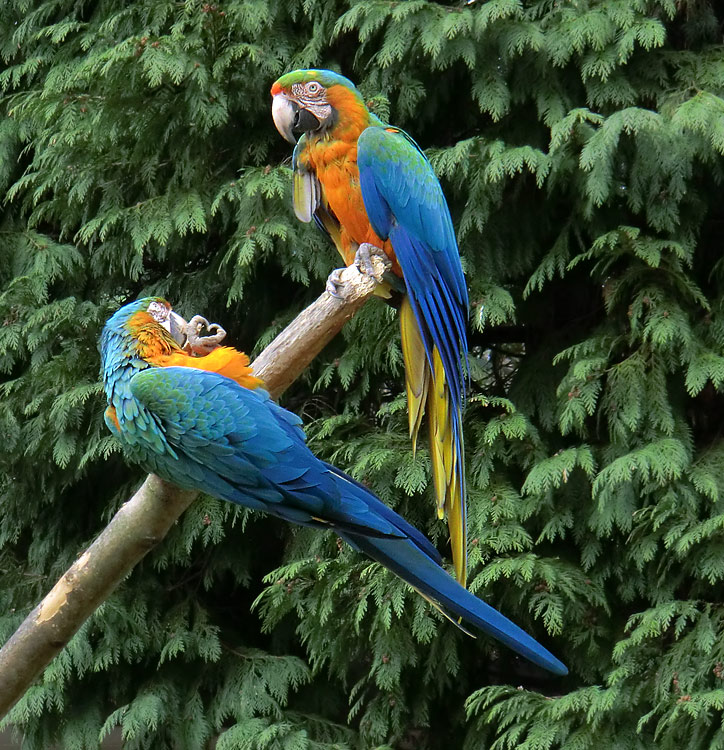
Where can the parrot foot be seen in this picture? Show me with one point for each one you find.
(369, 260)
(372, 261)
(199, 345)
(335, 283)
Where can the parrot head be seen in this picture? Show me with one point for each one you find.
(141, 327)
(311, 101)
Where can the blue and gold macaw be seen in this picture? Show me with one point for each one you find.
(367, 183)
(207, 423)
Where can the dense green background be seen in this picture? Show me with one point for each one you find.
(581, 145)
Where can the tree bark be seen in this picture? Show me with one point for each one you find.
(146, 518)
(281, 363)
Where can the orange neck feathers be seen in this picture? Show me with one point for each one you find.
(153, 340)
(156, 346)
(353, 116)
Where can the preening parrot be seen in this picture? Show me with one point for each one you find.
(363, 181)
(207, 423)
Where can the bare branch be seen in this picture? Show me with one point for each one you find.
(281, 363)
(145, 519)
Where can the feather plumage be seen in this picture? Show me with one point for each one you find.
(225, 360)
(364, 181)
(203, 430)
(417, 371)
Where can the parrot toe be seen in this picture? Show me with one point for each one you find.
(335, 283)
(198, 344)
(372, 261)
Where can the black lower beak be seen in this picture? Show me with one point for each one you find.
(290, 118)
(304, 121)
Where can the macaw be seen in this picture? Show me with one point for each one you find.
(366, 183)
(207, 423)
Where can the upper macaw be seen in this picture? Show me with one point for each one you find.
(206, 423)
(363, 181)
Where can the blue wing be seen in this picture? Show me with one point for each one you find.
(403, 197)
(239, 445)
(405, 204)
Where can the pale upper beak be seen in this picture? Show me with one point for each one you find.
(284, 114)
(176, 326)
(289, 117)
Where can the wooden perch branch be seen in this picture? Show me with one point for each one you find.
(281, 363)
(145, 519)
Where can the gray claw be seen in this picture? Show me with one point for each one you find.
(335, 283)
(365, 258)
(201, 345)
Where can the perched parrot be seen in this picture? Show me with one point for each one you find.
(207, 423)
(366, 184)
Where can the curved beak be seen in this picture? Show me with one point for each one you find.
(176, 326)
(284, 113)
(289, 118)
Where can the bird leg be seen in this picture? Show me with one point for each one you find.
(369, 260)
(372, 261)
(199, 345)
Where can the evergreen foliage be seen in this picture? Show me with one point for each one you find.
(581, 146)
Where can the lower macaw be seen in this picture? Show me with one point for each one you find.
(366, 183)
(207, 423)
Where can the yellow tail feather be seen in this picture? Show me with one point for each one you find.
(456, 512)
(445, 464)
(440, 432)
(417, 373)
(429, 391)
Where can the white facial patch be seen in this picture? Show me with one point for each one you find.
(159, 312)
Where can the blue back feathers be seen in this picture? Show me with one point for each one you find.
(405, 203)
(202, 430)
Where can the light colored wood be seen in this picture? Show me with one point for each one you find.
(146, 518)
(281, 363)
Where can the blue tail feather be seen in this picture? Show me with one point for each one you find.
(406, 560)
(377, 506)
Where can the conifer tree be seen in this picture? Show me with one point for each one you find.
(581, 147)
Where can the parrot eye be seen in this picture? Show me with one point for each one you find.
(313, 87)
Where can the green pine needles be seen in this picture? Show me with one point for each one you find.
(581, 146)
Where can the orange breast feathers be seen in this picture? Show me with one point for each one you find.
(157, 347)
(336, 170)
(334, 160)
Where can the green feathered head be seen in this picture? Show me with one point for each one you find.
(313, 101)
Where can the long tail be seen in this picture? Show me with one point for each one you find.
(407, 560)
(428, 389)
